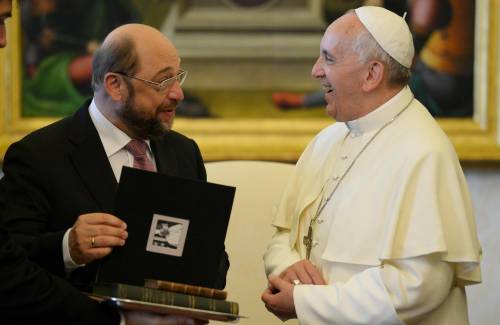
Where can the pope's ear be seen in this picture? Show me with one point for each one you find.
(374, 75)
(112, 85)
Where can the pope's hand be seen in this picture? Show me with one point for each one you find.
(94, 235)
(304, 272)
(278, 298)
(139, 318)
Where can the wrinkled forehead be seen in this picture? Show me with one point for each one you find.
(341, 33)
(153, 49)
(157, 55)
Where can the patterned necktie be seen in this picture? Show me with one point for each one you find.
(138, 149)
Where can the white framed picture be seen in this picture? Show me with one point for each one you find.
(167, 235)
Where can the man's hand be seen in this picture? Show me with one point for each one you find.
(139, 318)
(94, 235)
(303, 271)
(278, 298)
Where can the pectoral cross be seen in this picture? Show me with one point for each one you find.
(308, 241)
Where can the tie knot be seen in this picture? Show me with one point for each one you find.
(137, 148)
(141, 160)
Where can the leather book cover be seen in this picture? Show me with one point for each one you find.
(124, 291)
(176, 228)
(186, 288)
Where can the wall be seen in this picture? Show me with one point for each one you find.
(484, 185)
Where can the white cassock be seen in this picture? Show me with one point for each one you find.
(397, 242)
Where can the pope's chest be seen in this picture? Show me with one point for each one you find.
(355, 198)
(357, 174)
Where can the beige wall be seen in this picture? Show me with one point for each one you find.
(484, 185)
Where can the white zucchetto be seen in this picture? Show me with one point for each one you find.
(390, 31)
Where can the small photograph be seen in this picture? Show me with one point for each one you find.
(167, 235)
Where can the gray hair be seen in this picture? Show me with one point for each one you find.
(368, 49)
(113, 56)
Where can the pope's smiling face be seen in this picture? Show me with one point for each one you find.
(340, 69)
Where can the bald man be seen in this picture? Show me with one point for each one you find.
(376, 226)
(31, 295)
(60, 181)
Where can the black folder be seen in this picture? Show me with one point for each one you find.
(176, 229)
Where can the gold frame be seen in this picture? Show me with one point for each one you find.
(475, 139)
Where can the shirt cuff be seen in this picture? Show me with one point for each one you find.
(69, 264)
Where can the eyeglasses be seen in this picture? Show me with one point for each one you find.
(162, 85)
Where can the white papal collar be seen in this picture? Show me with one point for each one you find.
(382, 114)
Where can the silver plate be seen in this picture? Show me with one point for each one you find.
(127, 304)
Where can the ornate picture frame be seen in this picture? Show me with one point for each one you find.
(283, 139)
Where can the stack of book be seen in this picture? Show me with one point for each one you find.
(166, 297)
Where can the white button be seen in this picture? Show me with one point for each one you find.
(344, 157)
(315, 243)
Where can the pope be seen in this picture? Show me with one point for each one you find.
(376, 225)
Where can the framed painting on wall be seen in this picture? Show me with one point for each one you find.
(279, 138)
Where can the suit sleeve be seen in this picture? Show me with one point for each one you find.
(200, 164)
(25, 208)
(30, 295)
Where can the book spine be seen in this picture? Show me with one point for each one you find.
(186, 289)
(167, 298)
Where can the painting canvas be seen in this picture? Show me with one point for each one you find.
(59, 37)
(46, 75)
(58, 40)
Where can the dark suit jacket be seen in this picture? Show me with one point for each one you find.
(30, 295)
(61, 171)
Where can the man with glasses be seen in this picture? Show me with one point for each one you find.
(60, 181)
(29, 294)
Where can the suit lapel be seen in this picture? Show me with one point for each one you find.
(165, 157)
(90, 160)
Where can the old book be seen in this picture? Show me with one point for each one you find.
(130, 292)
(186, 288)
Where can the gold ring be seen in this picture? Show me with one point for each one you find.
(296, 282)
(92, 241)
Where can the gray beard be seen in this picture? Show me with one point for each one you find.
(141, 126)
